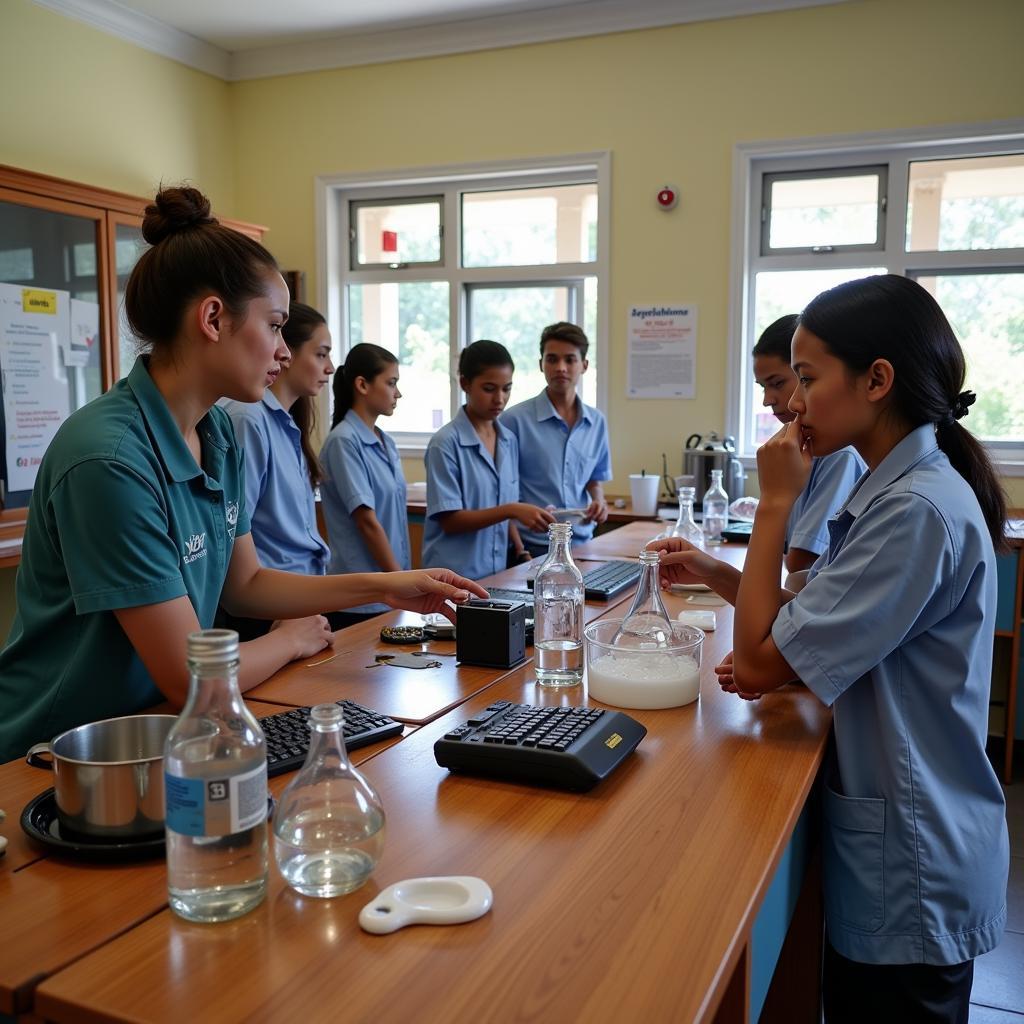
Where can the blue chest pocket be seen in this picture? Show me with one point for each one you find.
(854, 849)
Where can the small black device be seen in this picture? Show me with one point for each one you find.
(288, 732)
(490, 632)
(605, 581)
(738, 532)
(565, 747)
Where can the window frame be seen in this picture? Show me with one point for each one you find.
(413, 200)
(335, 193)
(809, 157)
(769, 178)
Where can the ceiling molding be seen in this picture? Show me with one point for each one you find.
(596, 17)
(147, 32)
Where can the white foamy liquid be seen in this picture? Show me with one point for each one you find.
(644, 680)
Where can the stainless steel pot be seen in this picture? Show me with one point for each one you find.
(108, 776)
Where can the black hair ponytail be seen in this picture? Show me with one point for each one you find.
(363, 360)
(892, 317)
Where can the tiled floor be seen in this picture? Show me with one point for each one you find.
(998, 995)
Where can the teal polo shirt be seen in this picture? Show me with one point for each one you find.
(120, 516)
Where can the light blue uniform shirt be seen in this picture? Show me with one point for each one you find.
(278, 494)
(556, 463)
(462, 474)
(362, 467)
(829, 485)
(894, 628)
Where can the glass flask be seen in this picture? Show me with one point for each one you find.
(647, 623)
(686, 526)
(716, 509)
(329, 823)
(558, 613)
(215, 784)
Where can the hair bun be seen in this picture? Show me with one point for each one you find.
(175, 209)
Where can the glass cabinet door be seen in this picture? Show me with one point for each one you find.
(129, 245)
(55, 250)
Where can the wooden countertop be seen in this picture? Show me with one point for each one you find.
(641, 892)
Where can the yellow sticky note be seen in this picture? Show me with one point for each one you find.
(33, 300)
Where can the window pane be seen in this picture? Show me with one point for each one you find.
(397, 232)
(129, 245)
(409, 319)
(777, 293)
(987, 313)
(829, 210)
(975, 203)
(516, 317)
(530, 226)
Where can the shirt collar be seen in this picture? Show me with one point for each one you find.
(545, 410)
(273, 403)
(174, 453)
(917, 445)
(468, 437)
(362, 431)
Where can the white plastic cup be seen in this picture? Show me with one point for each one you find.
(644, 492)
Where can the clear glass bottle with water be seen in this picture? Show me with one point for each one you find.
(686, 526)
(215, 784)
(329, 823)
(647, 623)
(558, 613)
(715, 509)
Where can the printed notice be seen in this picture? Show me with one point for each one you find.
(34, 328)
(662, 343)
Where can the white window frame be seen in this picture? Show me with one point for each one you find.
(333, 192)
(751, 161)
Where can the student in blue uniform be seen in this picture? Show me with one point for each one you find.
(563, 443)
(281, 467)
(832, 476)
(473, 474)
(363, 489)
(894, 631)
(137, 525)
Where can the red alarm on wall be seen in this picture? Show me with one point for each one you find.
(668, 196)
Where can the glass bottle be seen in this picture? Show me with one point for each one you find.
(215, 783)
(647, 622)
(329, 823)
(558, 613)
(716, 509)
(686, 526)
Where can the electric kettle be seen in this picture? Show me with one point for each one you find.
(703, 453)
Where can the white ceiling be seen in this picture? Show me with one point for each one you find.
(238, 39)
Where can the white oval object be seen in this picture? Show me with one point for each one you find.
(439, 899)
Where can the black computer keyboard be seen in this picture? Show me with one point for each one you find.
(566, 747)
(604, 582)
(287, 733)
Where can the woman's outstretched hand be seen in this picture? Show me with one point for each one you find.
(428, 590)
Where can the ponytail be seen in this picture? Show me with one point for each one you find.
(893, 318)
(363, 360)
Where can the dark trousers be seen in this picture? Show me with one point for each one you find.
(856, 993)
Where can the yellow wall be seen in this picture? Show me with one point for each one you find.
(77, 103)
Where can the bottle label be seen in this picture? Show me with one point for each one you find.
(216, 806)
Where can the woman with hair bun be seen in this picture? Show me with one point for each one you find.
(893, 630)
(281, 467)
(363, 489)
(138, 526)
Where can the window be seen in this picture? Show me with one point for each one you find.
(426, 265)
(948, 213)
